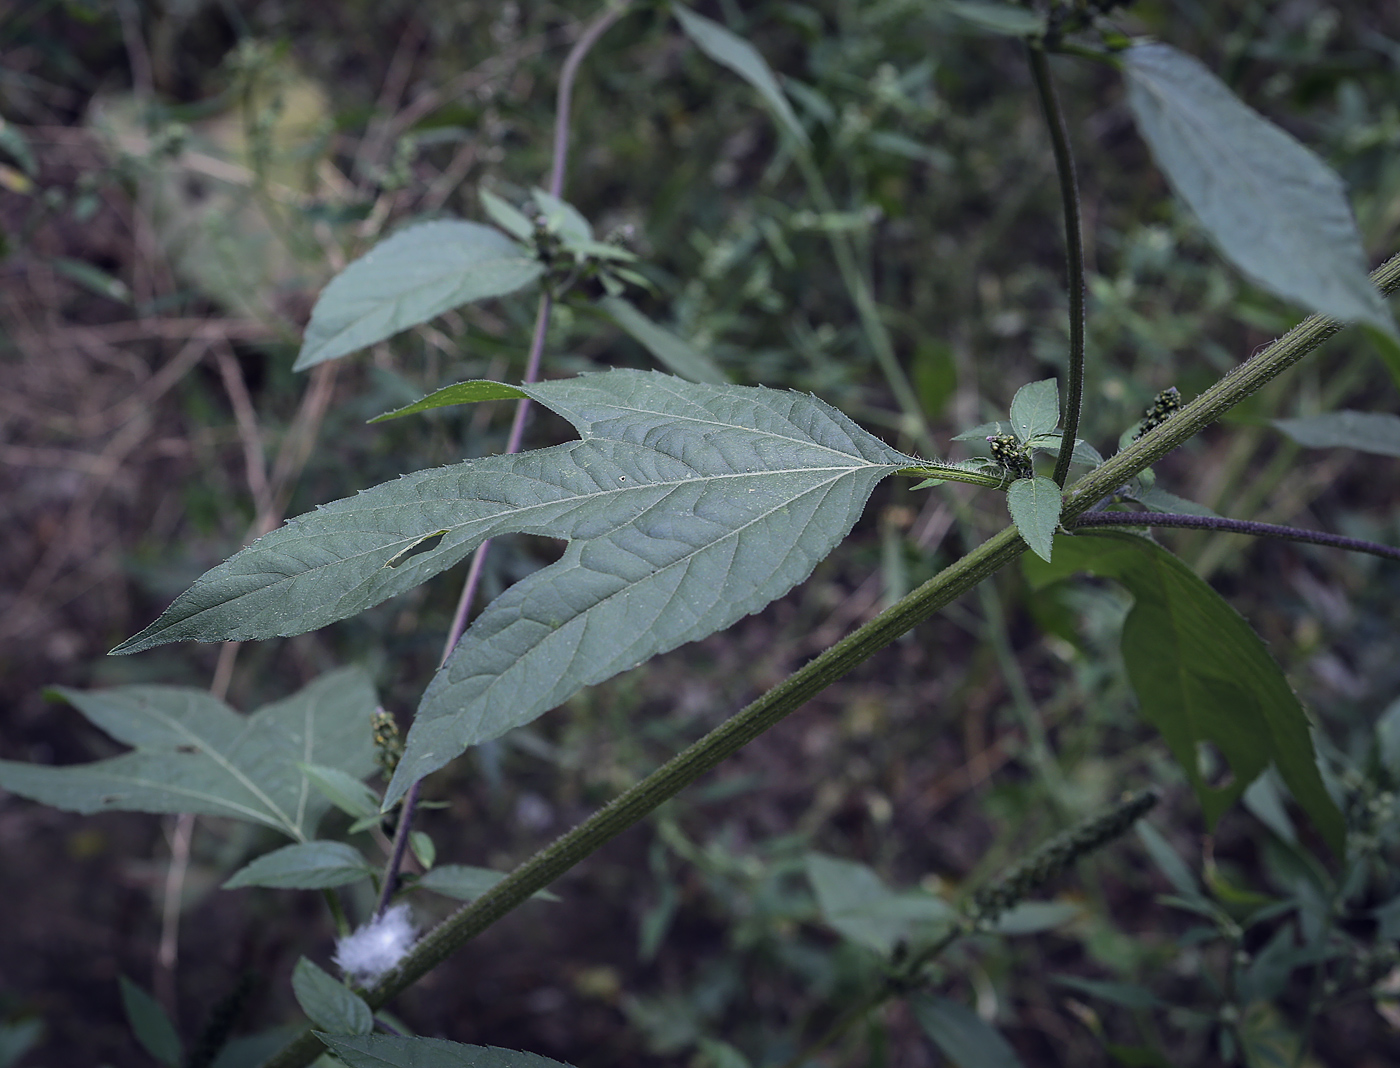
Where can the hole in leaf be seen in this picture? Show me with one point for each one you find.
(423, 545)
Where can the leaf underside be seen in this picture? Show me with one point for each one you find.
(1373, 432)
(192, 753)
(1202, 675)
(686, 507)
(1272, 207)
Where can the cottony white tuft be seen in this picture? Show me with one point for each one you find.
(377, 946)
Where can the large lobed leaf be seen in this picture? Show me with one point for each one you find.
(192, 753)
(409, 278)
(1275, 210)
(686, 507)
(1201, 674)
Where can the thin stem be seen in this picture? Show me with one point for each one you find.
(947, 586)
(1074, 253)
(586, 41)
(1235, 526)
(567, 76)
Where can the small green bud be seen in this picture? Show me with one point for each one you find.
(388, 742)
(1008, 451)
(1164, 406)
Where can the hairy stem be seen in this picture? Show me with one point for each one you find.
(1235, 526)
(1074, 253)
(947, 586)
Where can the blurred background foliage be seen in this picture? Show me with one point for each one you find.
(178, 179)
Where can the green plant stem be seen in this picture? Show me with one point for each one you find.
(1235, 526)
(1074, 253)
(563, 107)
(947, 586)
(858, 287)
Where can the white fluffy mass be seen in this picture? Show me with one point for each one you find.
(377, 946)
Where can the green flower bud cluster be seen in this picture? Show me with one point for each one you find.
(1008, 451)
(1052, 858)
(1164, 406)
(388, 742)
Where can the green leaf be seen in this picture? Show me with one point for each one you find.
(983, 431)
(1160, 500)
(962, 1035)
(407, 279)
(730, 50)
(1032, 917)
(1373, 432)
(687, 507)
(465, 883)
(458, 393)
(1129, 995)
(562, 218)
(328, 1002)
(92, 278)
(855, 901)
(195, 754)
(1387, 348)
(1006, 19)
(342, 790)
(1035, 409)
(1202, 675)
(18, 1038)
(675, 354)
(1274, 209)
(304, 866)
(398, 1051)
(14, 142)
(150, 1024)
(423, 848)
(1034, 504)
(516, 223)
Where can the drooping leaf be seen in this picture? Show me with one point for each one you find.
(730, 50)
(329, 1003)
(1373, 432)
(962, 1035)
(400, 1051)
(314, 865)
(150, 1024)
(856, 902)
(195, 754)
(407, 279)
(1273, 208)
(687, 507)
(1202, 675)
(999, 18)
(675, 354)
(514, 222)
(1034, 504)
(1035, 409)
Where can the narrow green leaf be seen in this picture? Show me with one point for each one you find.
(423, 848)
(962, 1035)
(1202, 675)
(562, 218)
(150, 1024)
(1387, 348)
(465, 883)
(314, 865)
(856, 902)
(195, 754)
(342, 790)
(1160, 500)
(1035, 409)
(1388, 738)
(513, 222)
(17, 145)
(675, 354)
(328, 1002)
(1032, 917)
(1005, 19)
(93, 279)
(1373, 432)
(459, 393)
(407, 279)
(399, 1051)
(730, 50)
(983, 431)
(1273, 208)
(17, 1038)
(1129, 995)
(1034, 504)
